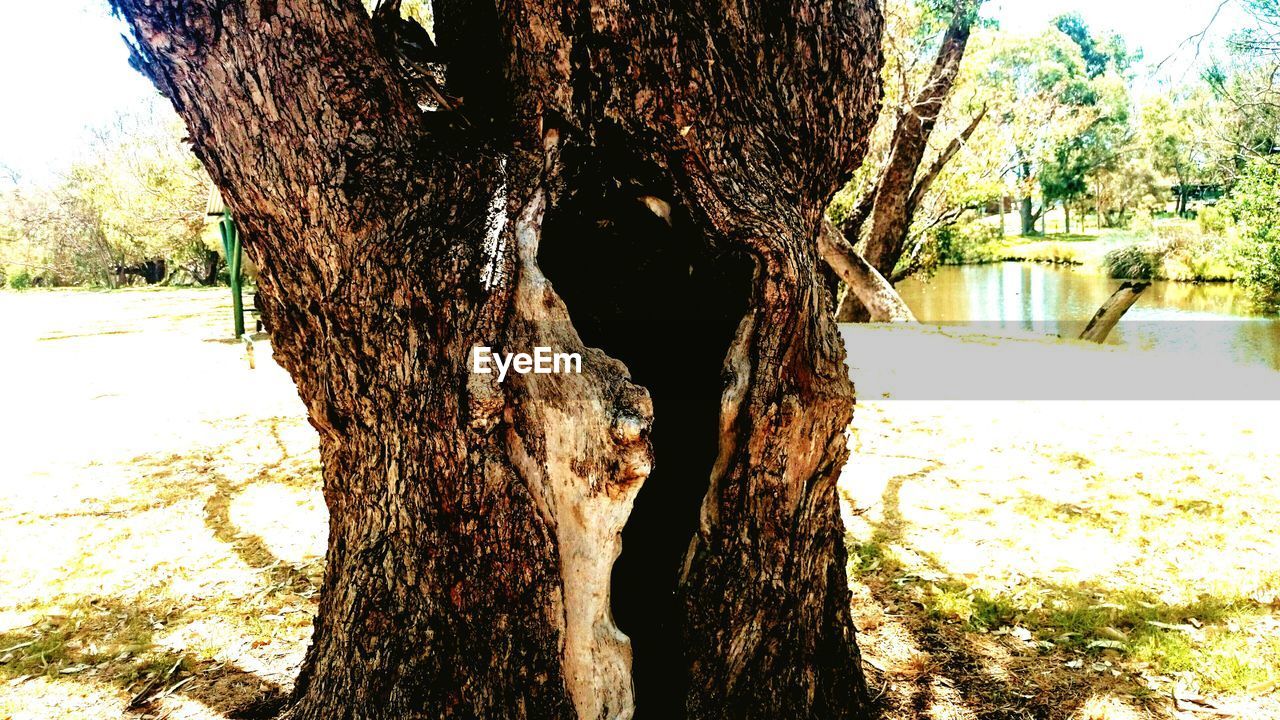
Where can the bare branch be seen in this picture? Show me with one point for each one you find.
(1197, 39)
(1105, 320)
(926, 181)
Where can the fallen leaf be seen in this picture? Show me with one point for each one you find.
(1107, 644)
(1112, 633)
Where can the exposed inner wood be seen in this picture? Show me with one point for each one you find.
(641, 283)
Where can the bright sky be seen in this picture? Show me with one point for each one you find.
(1160, 28)
(65, 67)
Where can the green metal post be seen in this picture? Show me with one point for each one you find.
(231, 244)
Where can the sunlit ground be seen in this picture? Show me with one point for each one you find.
(161, 528)
(1071, 559)
(162, 532)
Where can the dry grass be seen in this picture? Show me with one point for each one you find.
(161, 534)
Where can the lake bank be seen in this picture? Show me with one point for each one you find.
(1163, 248)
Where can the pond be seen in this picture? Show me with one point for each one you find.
(1215, 319)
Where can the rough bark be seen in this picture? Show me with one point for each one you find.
(474, 524)
(869, 288)
(926, 180)
(852, 306)
(1109, 315)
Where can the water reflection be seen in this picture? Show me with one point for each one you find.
(1213, 318)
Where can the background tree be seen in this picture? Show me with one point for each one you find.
(52, 236)
(1040, 92)
(1172, 141)
(1064, 178)
(1101, 54)
(1248, 88)
(889, 205)
(1255, 204)
(1099, 150)
(134, 200)
(667, 165)
(150, 193)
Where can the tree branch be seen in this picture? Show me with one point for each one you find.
(893, 195)
(882, 302)
(851, 227)
(926, 181)
(1108, 316)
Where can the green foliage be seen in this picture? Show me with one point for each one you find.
(20, 280)
(1212, 221)
(1098, 148)
(1176, 253)
(1255, 204)
(1064, 176)
(1101, 54)
(964, 243)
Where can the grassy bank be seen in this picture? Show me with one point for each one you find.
(1170, 249)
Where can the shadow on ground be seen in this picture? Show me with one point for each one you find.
(169, 640)
(938, 648)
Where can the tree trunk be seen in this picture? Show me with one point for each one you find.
(206, 268)
(1066, 217)
(1097, 205)
(1028, 217)
(898, 192)
(474, 522)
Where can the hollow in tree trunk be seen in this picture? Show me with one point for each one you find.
(401, 216)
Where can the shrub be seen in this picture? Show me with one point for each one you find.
(20, 280)
(1135, 262)
(1176, 254)
(1213, 221)
(964, 243)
